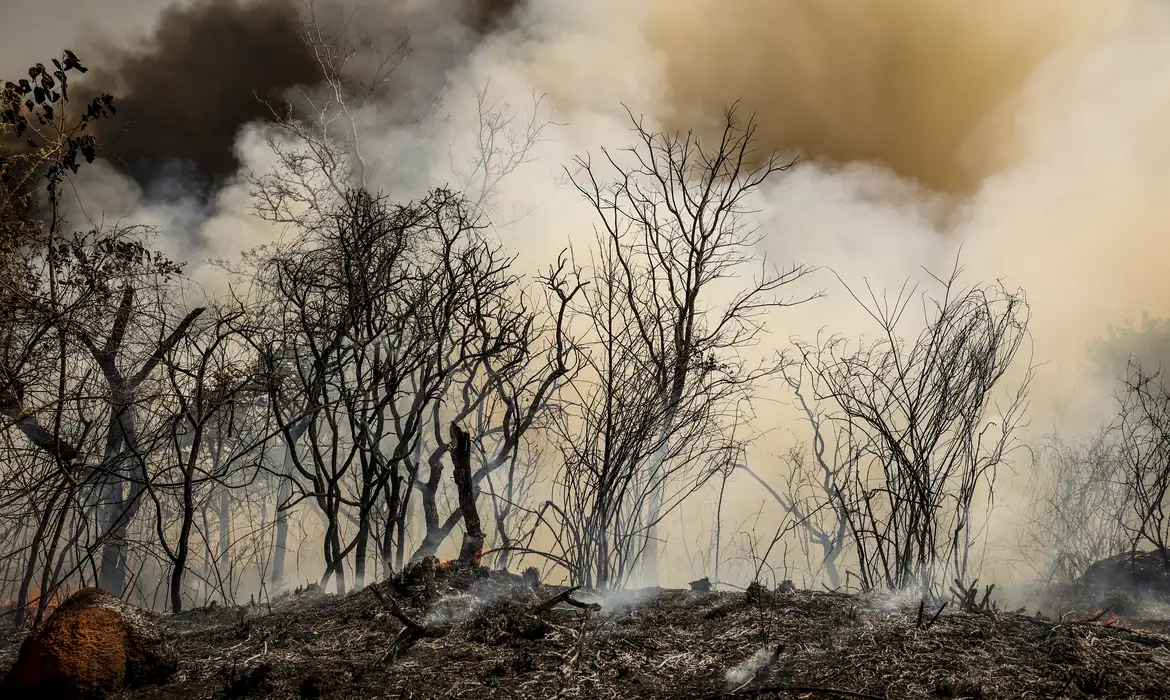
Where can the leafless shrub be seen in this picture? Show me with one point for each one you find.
(1077, 505)
(925, 431)
(1143, 428)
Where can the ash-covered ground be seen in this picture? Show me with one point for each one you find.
(471, 633)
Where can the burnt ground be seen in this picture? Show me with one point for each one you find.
(660, 644)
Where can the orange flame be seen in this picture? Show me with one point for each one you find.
(448, 562)
(54, 601)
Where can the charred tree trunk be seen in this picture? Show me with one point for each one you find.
(363, 539)
(473, 530)
(22, 600)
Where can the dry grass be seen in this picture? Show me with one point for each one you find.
(485, 638)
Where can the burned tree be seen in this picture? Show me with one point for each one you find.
(87, 318)
(487, 374)
(667, 322)
(504, 397)
(386, 312)
(1099, 506)
(925, 423)
(472, 546)
(1143, 432)
(812, 474)
(218, 431)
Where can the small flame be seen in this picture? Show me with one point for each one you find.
(1107, 618)
(448, 562)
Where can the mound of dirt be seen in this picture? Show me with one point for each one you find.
(92, 647)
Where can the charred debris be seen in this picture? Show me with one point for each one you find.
(458, 629)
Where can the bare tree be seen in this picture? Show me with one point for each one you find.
(87, 319)
(506, 138)
(925, 426)
(504, 396)
(323, 156)
(1143, 429)
(212, 389)
(318, 145)
(673, 234)
(386, 309)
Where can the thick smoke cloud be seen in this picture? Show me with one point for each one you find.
(204, 72)
(1027, 130)
(1031, 132)
(1039, 119)
(925, 88)
(203, 69)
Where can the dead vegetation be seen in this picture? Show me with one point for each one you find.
(477, 633)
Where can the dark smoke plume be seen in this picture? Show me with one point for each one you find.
(184, 93)
(208, 69)
(485, 16)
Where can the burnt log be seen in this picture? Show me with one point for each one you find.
(564, 596)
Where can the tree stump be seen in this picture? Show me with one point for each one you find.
(473, 536)
(91, 648)
(702, 586)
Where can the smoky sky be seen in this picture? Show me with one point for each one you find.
(209, 67)
(184, 93)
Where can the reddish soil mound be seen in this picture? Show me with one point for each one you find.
(92, 647)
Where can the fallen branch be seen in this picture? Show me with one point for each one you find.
(563, 597)
(968, 597)
(559, 561)
(932, 620)
(1100, 614)
(582, 606)
(412, 631)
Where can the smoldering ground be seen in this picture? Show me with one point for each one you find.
(1029, 133)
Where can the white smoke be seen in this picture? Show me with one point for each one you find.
(1029, 133)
